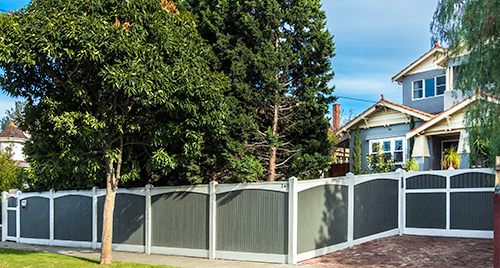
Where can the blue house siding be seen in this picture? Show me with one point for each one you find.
(429, 105)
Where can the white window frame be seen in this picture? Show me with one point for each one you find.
(423, 87)
(393, 147)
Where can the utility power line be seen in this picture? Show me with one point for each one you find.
(355, 99)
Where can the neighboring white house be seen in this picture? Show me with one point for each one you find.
(13, 139)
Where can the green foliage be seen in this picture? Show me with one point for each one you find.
(119, 88)
(410, 165)
(473, 27)
(451, 158)
(380, 162)
(277, 57)
(11, 175)
(15, 114)
(356, 153)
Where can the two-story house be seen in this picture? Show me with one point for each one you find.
(430, 119)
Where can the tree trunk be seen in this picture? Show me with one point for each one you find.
(272, 151)
(112, 178)
(107, 225)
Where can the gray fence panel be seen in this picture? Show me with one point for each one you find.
(73, 218)
(11, 202)
(426, 181)
(35, 219)
(375, 207)
(180, 220)
(471, 211)
(11, 224)
(472, 180)
(252, 221)
(322, 217)
(128, 219)
(426, 210)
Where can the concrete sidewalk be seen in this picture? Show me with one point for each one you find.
(176, 261)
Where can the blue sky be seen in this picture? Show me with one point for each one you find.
(374, 40)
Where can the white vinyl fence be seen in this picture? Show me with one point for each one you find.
(283, 222)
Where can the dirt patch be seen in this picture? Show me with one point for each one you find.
(411, 251)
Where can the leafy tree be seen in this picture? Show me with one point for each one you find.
(472, 28)
(14, 114)
(277, 56)
(115, 89)
(11, 174)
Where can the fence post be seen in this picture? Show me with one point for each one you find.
(496, 215)
(4, 216)
(147, 246)
(18, 217)
(212, 224)
(401, 205)
(350, 209)
(292, 220)
(94, 217)
(51, 217)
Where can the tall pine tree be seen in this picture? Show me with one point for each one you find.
(277, 56)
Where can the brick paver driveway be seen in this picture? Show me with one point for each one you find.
(411, 251)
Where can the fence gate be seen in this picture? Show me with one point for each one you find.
(456, 203)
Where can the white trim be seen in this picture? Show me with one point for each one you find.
(359, 179)
(73, 244)
(147, 219)
(11, 238)
(124, 247)
(5, 204)
(384, 234)
(308, 184)
(400, 199)
(350, 210)
(292, 220)
(35, 241)
(426, 191)
(51, 217)
(212, 224)
(472, 190)
(94, 217)
(322, 251)
(448, 203)
(449, 233)
(393, 150)
(29, 195)
(200, 189)
(246, 256)
(200, 253)
(264, 186)
(451, 173)
(134, 191)
(18, 217)
(87, 193)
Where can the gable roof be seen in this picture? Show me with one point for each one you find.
(445, 114)
(383, 103)
(12, 132)
(436, 50)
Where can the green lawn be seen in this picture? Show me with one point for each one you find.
(19, 258)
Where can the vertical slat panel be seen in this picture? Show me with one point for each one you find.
(180, 220)
(128, 219)
(35, 220)
(426, 181)
(252, 221)
(73, 218)
(473, 180)
(322, 217)
(375, 207)
(11, 224)
(426, 210)
(472, 211)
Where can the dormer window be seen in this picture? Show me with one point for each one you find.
(429, 87)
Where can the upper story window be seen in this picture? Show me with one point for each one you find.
(429, 87)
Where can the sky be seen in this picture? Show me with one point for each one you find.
(374, 40)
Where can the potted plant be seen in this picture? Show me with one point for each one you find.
(451, 158)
